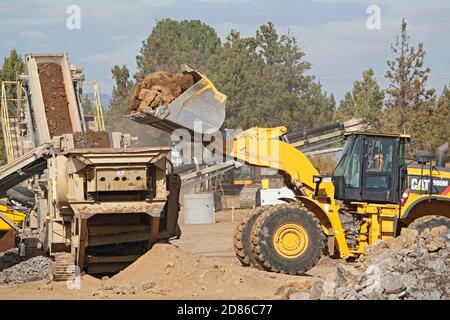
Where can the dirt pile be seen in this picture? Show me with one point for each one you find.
(91, 139)
(167, 271)
(159, 89)
(414, 266)
(33, 269)
(55, 99)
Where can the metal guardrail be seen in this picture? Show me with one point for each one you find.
(97, 105)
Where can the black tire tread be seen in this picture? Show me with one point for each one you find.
(246, 259)
(256, 240)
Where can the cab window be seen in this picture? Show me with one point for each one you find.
(379, 154)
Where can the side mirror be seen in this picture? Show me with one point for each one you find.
(317, 180)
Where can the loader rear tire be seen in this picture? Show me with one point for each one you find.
(242, 238)
(287, 239)
(431, 221)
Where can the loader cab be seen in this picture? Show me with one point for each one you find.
(369, 168)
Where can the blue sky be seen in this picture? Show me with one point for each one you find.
(333, 33)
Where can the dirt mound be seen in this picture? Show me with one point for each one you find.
(167, 270)
(55, 99)
(91, 139)
(413, 266)
(159, 89)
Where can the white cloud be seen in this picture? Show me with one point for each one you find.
(33, 36)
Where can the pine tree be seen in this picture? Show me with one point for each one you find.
(440, 128)
(236, 70)
(264, 79)
(121, 94)
(364, 101)
(12, 67)
(173, 43)
(410, 103)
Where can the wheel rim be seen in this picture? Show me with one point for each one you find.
(290, 240)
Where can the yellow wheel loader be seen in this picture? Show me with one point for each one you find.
(371, 195)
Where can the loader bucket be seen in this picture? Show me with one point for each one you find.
(201, 108)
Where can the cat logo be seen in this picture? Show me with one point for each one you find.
(419, 184)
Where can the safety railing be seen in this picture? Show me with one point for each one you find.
(96, 105)
(10, 104)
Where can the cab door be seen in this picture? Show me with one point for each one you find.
(380, 169)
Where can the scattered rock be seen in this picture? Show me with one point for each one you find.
(316, 291)
(291, 287)
(127, 288)
(146, 285)
(33, 269)
(299, 296)
(435, 245)
(437, 231)
(347, 276)
(392, 284)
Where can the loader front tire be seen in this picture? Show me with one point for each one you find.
(242, 238)
(287, 239)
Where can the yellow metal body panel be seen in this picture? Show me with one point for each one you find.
(420, 186)
(12, 214)
(380, 223)
(243, 182)
(265, 184)
(208, 86)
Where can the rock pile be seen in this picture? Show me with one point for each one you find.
(159, 89)
(414, 266)
(33, 269)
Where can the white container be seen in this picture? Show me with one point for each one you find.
(198, 208)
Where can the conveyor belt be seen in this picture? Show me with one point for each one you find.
(28, 165)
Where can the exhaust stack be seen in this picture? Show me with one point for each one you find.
(441, 155)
